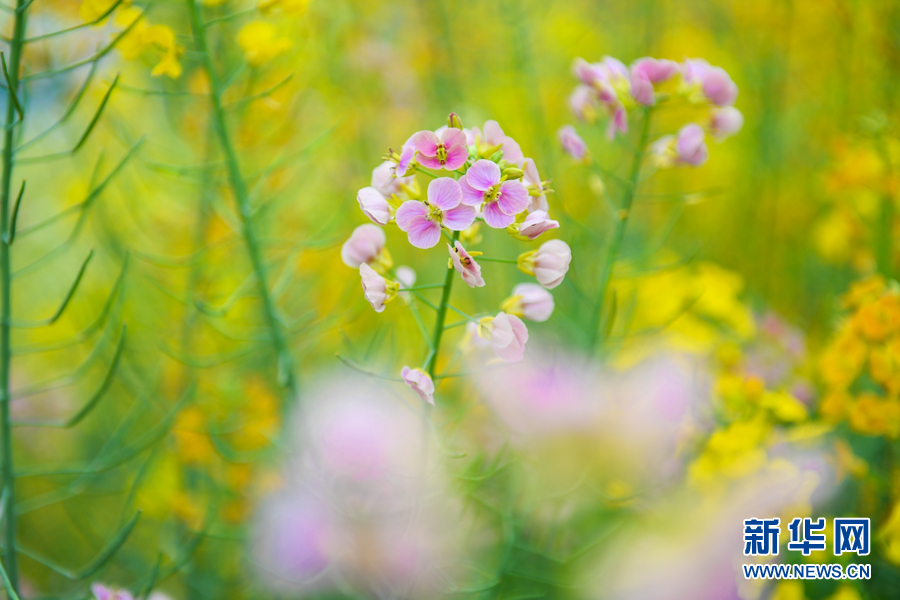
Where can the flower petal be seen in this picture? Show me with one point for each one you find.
(426, 142)
(456, 157)
(493, 134)
(452, 136)
(470, 195)
(408, 211)
(459, 218)
(444, 193)
(513, 197)
(424, 233)
(495, 217)
(483, 174)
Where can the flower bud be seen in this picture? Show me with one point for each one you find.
(529, 301)
(377, 290)
(420, 382)
(549, 263)
(536, 223)
(512, 173)
(507, 335)
(726, 122)
(454, 121)
(571, 142)
(374, 205)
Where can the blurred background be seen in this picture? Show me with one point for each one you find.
(204, 440)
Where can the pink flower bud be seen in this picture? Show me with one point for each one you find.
(726, 122)
(642, 89)
(655, 70)
(531, 301)
(507, 335)
(690, 146)
(420, 382)
(363, 246)
(536, 223)
(549, 263)
(384, 181)
(571, 142)
(718, 87)
(374, 206)
(377, 290)
(466, 265)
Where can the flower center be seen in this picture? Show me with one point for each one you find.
(441, 153)
(493, 193)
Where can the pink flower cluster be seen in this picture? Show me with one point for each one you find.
(610, 88)
(357, 508)
(477, 175)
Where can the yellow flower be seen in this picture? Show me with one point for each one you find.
(191, 441)
(291, 8)
(877, 320)
(872, 415)
(260, 42)
(784, 407)
(91, 10)
(834, 406)
(863, 291)
(843, 361)
(168, 65)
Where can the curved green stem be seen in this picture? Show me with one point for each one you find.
(439, 320)
(242, 198)
(8, 496)
(619, 232)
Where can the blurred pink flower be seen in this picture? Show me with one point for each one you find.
(530, 301)
(583, 102)
(373, 204)
(363, 246)
(549, 263)
(466, 265)
(536, 223)
(642, 89)
(503, 200)
(492, 136)
(422, 222)
(716, 84)
(726, 122)
(101, 592)
(507, 335)
(293, 537)
(407, 154)
(691, 145)
(571, 142)
(377, 290)
(533, 182)
(447, 151)
(420, 382)
(655, 70)
(384, 181)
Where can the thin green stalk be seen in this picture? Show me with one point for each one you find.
(8, 478)
(884, 229)
(619, 231)
(439, 320)
(242, 198)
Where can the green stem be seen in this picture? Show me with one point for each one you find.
(242, 198)
(619, 231)
(884, 230)
(512, 261)
(439, 320)
(8, 495)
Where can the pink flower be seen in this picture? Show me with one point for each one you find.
(377, 290)
(531, 301)
(364, 245)
(507, 335)
(101, 592)
(407, 278)
(422, 221)
(690, 145)
(492, 138)
(549, 263)
(571, 142)
(503, 200)
(715, 82)
(466, 265)
(618, 123)
(445, 152)
(293, 533)
(642, 89)
(420, 382)
(374, 206)
(407, 154)
(533, 182)
(726, 122)
(384, 181)
(583, 102)
(535, 224)
(655, 70)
